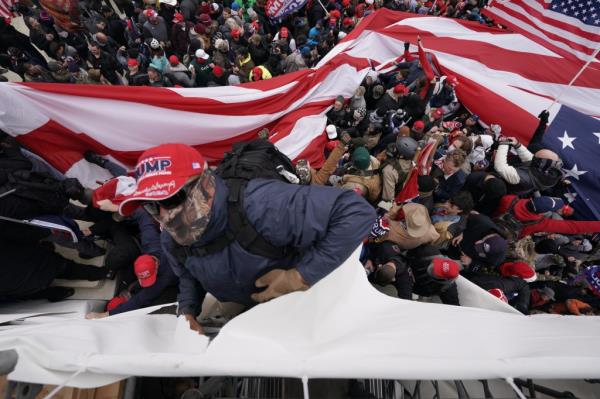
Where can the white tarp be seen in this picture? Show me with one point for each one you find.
(340, 328)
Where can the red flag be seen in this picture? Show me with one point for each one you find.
(410, 190)
(425, 63)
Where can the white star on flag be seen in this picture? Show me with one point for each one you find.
(574, 172)
(567, 141)
(570, 197)
(597, 135)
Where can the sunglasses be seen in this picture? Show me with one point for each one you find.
(153, 207)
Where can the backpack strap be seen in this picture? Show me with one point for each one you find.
(243, 231)
(238, 229)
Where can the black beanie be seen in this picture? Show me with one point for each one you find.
(494, 188)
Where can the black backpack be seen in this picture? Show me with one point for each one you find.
(247, 160)
(509, 226)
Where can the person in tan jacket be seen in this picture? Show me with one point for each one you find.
(363, 176)
(413, 229)
(308, 175)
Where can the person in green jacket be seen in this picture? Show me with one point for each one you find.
(201, 68)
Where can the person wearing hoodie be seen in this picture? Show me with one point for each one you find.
(178, 73)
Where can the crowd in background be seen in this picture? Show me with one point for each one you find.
(190, 43)
(491, 209)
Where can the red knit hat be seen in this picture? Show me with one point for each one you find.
(235, 33)
(173, 60)
(132, 62)
(518, 269)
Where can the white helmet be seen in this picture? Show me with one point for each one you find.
(331, 132)
(154, 44)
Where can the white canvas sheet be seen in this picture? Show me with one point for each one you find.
(340, 328)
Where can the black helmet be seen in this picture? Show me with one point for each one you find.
(407, 147)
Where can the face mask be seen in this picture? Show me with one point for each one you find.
(187, 222)
(547, 166)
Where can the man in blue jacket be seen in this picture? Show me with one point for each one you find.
(324, 225)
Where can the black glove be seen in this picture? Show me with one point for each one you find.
(544, 116)
(406, 46)
(73, 188)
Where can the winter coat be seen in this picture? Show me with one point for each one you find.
(180, 75)
(325, 224)
(150, 245)
(180, 37)
(419, 260)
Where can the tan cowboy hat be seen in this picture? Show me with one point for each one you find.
(417, 219)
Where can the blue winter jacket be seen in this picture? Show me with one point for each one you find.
(151, 245)
(325, 224)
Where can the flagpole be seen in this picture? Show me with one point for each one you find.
(577, 75)
(326, 12)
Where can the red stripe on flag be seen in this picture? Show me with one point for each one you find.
(62, 147)
(554, 22)
(502, 59)
(170, 99)
(552, 36)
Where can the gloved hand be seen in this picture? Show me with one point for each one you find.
(543, 116)
(193, 322)
(406, 46)
(73, 188)
(279, 282)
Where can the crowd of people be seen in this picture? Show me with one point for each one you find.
(189, 43)
(491, 209)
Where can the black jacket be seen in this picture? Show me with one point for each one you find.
(419, 260)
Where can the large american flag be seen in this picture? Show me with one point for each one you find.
(6, 8)
(504, 77)
(568, 27)
(577, 138)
